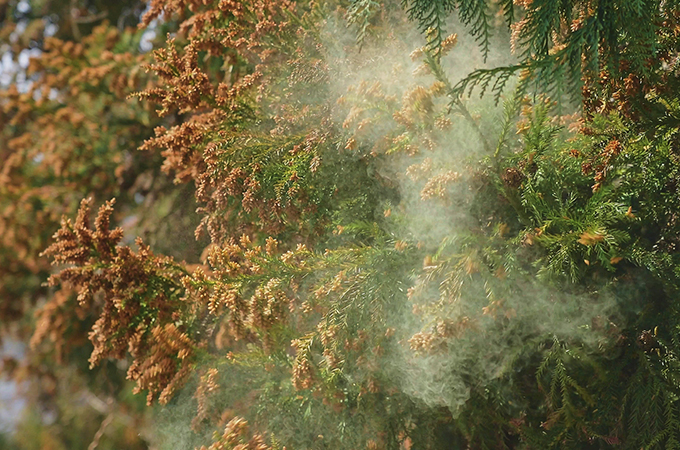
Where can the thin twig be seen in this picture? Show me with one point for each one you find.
(100, 432)
(76, 19)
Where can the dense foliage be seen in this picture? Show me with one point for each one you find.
(338, 247)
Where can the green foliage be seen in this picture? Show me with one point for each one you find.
(432, 15)
(360, 14)
(379, 275)
(558, 42)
